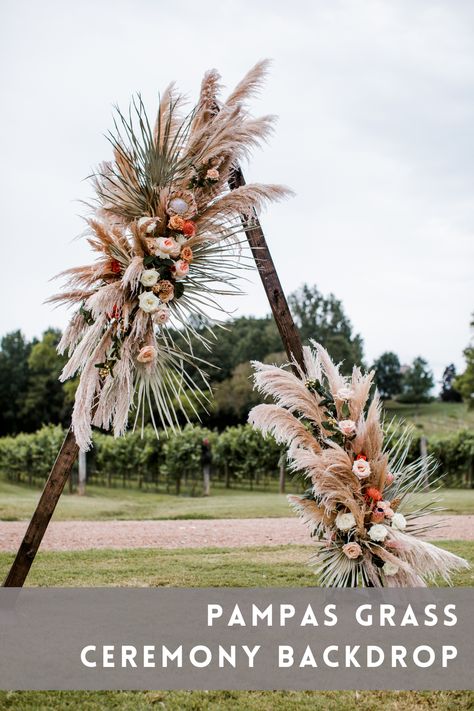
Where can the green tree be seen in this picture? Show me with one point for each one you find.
(235, 396)
(388, 375)
(448, 391)
(465, 382)
(322, 318)
(241, 340)
(417, 382)
(45, 396)
(14, 353)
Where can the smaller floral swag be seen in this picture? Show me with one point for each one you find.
(334, 435)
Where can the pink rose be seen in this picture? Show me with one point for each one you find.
(161, 315)
(168, 245)
(180, 268)
(352, 550)
(389, 478)
(147, 354)
(347, 427)
(361, 468)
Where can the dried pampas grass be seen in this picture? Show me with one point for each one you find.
(360, 481)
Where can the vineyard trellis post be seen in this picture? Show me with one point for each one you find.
(69, 450)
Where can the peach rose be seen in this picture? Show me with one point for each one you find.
(187, 253)
(176, 223)
(347, 427)
(361, 468)
(147, 354)
(168, 245)
(352, 550)
(180, 268)
(212, 174)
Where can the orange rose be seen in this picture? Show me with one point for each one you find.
(187, 253)
(189, 228)
(176, 223)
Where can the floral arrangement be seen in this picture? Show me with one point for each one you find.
(165, 228)
(358, 507)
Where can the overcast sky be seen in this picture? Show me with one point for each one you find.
(376, 136)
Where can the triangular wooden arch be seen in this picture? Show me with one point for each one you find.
(69, 450)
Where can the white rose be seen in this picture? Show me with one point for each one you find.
(161, 315)
(180, 268)
(390, 569)
(148, 224)
(361, 468)
(345, 521)
(149, 277)
(149, 303)
(399, 521)
(168, 245)
(344, 394)
(377, 532)
(347, 427)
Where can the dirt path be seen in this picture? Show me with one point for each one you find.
(226, 533)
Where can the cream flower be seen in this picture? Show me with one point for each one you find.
(148, 224)
(180, 268)
(352, 550)
(147, 354)
(347, 427)
(149, 277)
(390, 569)
(344, 394)
(378, 532)
(162, 314)
(148, 302)
(168, 246)
(361, 468)
(345, 521)
(399, 522)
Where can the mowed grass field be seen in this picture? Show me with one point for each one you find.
(256, 567)
(17, 503)
(433, 418)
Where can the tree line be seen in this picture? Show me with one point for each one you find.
(31, 394)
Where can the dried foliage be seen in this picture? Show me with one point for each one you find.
(359, 482)
(165, 229)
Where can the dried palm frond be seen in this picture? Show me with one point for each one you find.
(360, 478)
(165, 230)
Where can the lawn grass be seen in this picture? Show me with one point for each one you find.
(17, 503)
(237, 700)
(259, 566)
(433, 418)
(247, 567)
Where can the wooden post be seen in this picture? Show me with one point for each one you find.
(271, 283)
(82, 476)
(282, 470)
(44, 510)
(69, 450)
